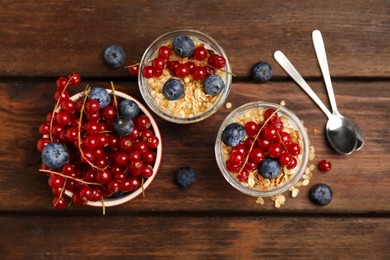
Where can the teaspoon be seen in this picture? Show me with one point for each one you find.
(319, 47)
(339, 131)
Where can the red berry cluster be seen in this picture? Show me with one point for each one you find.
(264, 139)
(201, 64)
(101, 163)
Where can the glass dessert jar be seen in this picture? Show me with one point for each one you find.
(262, 149)
(184, 76)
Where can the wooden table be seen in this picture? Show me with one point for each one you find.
(43, 40)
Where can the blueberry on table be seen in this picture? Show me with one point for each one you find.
(123, 125)
(114, 56)
(185, 177)
(183, 45)
(233, 134)
(101, 95)
(321, 194)
(128, 108)
(173, 89)
(213, 85)
(270, 168)
(261, 72)
(54, 155)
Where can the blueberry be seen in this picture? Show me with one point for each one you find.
(114, 56)
(270, 168)
(123, 125)
(261, 72)
(101, 95)
(54, 155)
(173, 89)
(233, 134)
(213, 85)
(128, 108)
(185, 177)
(321, 194)
(183, 45)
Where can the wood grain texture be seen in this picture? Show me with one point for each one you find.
(123, 237)
(61, 36)
(360, 181)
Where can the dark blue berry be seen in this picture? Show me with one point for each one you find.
(233, 134)
(261, 72)
(183, 45)
(270, 168)
(173, 89)
(101, 95)
(213, 85)
(321, 194)
(185, 177)
(123, 125)
(54, 155)
(114, 56)
(128, 108)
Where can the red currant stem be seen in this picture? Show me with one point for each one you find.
(86, 91)
(114, 96)
(142, 186)
(281, 141)
(54, 110)
(228, 72)
(133, 65)
(69, 177)
(61, 193)
(103, 207)
(255, 139)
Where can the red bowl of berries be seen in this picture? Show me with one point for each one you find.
(104, 148)
(262, 149)
(184, 76)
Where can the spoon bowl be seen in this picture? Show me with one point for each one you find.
(340, 131)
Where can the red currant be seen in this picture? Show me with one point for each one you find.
(147, 72)
(211, 59)
(133, 69)
(285, 159)
(182, 70)
(274, 150)
(148, 157)
(59, 202)
(68, 105)
(152, 142)
(270, 133)
(241, 149)
(251, 128)
(61, 82)
(44, 129)
(292, 164)
(200, 53)
(74, 79)
(143, 122)
(270, 112)
(109, 113)
(103, 176)
(122, 159)
(324, 165)
(126, 144)
(60, 94)
(256, 155)
(146, 171)
(294, 149)
(199, 73)
(243, 175)
(230, 166)
(172, 65)
(55, 181)
(263, 143)
(219, 62)
(237, 158)
(42, 143)
(164, 52)
(92, 106)
(158, 63)
(63, 118)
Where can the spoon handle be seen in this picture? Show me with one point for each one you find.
(290, 69)
(323, 62)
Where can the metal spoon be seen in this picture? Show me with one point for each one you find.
(339, 131)
(323, 62)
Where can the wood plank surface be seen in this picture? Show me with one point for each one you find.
(360, 181)
(44, 38)
(241, 237)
